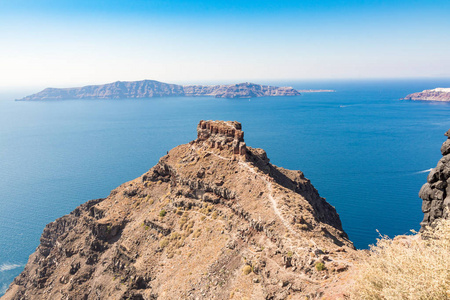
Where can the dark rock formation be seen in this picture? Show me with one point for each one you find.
(438, 94)
(213, 219)
(436, 192)
(152, 88)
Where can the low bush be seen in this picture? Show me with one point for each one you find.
(163, 243)
(320, 266)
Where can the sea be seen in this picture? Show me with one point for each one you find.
(365, 150)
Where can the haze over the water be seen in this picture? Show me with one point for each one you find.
(77, 42)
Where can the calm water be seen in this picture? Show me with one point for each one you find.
(362, 148)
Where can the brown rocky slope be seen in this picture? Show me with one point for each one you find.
(213, 219)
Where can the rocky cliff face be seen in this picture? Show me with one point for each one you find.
(152, 88)
(214, 219)
(115, 90)
(436, 192)
(438, 94)
(241, 90)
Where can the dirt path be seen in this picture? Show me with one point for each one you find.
(269, 187)
(270, 196)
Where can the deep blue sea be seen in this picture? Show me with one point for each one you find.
(362, 148)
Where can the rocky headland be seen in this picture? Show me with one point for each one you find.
(437, 94)
(152, 88)
(213, 219)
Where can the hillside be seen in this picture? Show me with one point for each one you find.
(213, 219)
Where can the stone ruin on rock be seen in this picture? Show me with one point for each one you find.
(222, 135)
(436, 192)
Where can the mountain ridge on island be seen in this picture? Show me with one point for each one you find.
(437, 94)
(153, 88)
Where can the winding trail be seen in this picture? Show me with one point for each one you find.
(269, 187)
(270, 196)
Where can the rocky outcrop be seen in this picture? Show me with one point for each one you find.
(436, 192)
(437, 94)
(152, 88)
(220, 134)
(214, 219)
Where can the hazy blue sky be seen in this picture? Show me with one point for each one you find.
(60, 43)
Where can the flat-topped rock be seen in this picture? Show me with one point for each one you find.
(222, 135)
(437, 94)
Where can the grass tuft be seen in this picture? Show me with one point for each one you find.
(320, 266)
(247, 269)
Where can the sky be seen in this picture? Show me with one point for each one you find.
(61, 43)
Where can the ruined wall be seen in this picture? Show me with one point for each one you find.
(222, 135)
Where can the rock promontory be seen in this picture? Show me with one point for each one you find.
(437, 94)
(435, 193)
(213, 219)
(153, 88)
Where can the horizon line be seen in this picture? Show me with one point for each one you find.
(219, 81)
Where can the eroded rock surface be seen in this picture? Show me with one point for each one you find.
(436, 192)
(213, 219)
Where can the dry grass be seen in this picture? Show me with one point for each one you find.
(416, 267)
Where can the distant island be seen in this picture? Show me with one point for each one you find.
(316, 91)
(437, 94)
(153, 88)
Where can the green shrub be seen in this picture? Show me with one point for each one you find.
(162, 213)
(320, 266)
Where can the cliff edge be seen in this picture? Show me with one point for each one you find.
(213, 219)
